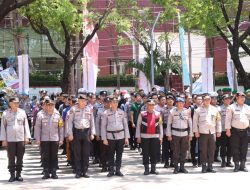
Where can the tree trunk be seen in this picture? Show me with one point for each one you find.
(118, 76)
(66, 78)
(234, 51)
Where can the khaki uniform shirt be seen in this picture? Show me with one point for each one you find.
(114, 121)
(207, 120)
(14, 126)
(237, 116)
(179, 120)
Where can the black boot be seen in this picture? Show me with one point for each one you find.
(84, 172)
(53, 175)
(183, 169)
(223, 162)
(18, 176)
(12, 177)
(118, 172)
(146, 172)
(153, 169)
(111, 171)
(45, 174)
(236, 166)
(210, 168)
(229, 163)
(176, 168)
(243, 166)
(204, 168)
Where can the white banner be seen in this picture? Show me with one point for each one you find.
(230, 74)
(143, 82)
(207, 75)
(90, 71)
(23, 72)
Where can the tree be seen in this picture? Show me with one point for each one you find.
(7, 6)
(219, 18)
(137, 21)
(61, 20)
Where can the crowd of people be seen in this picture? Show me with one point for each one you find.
(168, 127)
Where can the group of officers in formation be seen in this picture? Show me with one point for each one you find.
(164, 126)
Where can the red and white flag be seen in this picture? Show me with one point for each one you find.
(90, 60)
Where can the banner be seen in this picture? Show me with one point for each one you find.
(10, 78)
(143, 82)
(207, 75)
(185, 70)
(231, 74)
(23, 72)
(90, 62)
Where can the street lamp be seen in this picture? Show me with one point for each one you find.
(151, 45)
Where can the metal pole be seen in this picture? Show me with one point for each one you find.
(151, 52)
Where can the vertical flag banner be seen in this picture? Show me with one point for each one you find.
(143, 82)
(231, 74)
(90, 62)
(207, 75)
(185, 71)
(23, 72)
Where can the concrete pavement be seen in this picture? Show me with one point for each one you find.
(133, 179)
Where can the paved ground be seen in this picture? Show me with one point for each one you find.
(133, 178)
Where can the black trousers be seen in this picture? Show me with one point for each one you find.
(150, 147)
(15, 152)
(104, 153)
(225, 150)
(81, 150)
(96, 149)
(50, 155)
(180, 148)
(166, 150)
(115, 147)
(207, 148)
(239, 144)
(132, 139)
(193, 144)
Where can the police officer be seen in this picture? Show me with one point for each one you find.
(115, 133)
(98, 106)
(15, 134)
(237, 125)
(103, 147)
(179, 131)
(149, 133)
(225, 151)
(49, 134)
(207, 126)
(81, 129)
(166, 148)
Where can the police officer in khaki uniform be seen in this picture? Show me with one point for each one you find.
(180, 132)
(166, 148)
(49, 134)
(225, 151)
(15, 134)
(115, 133)
(98, 123)
(207, 126)
(81, 129)
(237, 125)
(149, 132)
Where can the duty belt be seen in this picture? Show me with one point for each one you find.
(113, 132)
(236, 129)
(180, 130)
